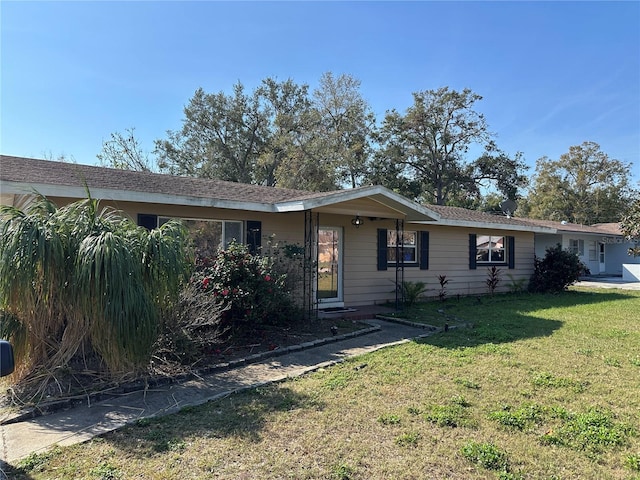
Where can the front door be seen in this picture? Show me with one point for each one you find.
(601, 260)
(329, 292)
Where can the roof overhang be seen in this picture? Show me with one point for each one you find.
(374, 201)
(79, 192)
(492, 225)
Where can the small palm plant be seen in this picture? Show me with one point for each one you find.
(80, 279)
(413, 291)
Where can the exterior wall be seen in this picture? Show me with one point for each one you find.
(363, 283)
(448, 255)
(544, 241)
(590, 243)
(616, 255)
(284, 227)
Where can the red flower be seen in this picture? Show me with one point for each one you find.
(267, 277)
(205, 282)
(225, 292)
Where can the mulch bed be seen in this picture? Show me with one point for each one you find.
(70, 387)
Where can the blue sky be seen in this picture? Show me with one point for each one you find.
(552, 74)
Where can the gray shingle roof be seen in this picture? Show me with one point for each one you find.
(462, 214)
(34, 172)
(465, 215)
(601, 228)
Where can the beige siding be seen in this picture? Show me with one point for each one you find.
(448, 255)
(363, 283)
(284, 227)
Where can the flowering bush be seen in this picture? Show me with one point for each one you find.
(248, 287)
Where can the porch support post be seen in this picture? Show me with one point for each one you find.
(399, 264)
(310, 277)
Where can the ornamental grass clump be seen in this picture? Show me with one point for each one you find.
(250, 289)
(85, 283)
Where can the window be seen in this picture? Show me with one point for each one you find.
(593, 252)
(408, 243)
(490, 249)
(210, 235)
(577, 247)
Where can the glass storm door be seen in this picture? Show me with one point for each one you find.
(329, 265)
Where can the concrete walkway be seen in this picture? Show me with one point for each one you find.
(607, 282)
(81, 423)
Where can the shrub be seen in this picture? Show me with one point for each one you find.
(556, 271)
(193, 324)
(412, 291)
(493, 278)
(85, 281)
(442, 294)
(250, 290)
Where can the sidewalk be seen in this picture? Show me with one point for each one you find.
(81, 423)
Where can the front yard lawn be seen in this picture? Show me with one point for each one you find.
(542, 387)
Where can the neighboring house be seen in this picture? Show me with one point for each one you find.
(601, 247)
(364, 241)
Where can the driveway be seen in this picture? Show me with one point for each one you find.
(608, 282)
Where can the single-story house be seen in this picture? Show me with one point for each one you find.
(364, 241)
(601, 247)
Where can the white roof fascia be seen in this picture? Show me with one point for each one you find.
(130, 196)
(396, 202)
(491, 226)
(590, 234)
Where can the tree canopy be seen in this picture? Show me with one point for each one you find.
(583, 186)
(630, 227)
(277, 135)
(431, 142)
(123, 151)
(440, 150)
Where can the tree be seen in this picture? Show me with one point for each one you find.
(432, 139)
(80, 280)
(286, 106)
(221, 137)
(346, 123)
(277, 135)
(124, 152)
(332, 148)
(630, 227)
(583, 186)
(247, 138)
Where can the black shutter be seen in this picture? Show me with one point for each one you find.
(424, 250)
(148, 221)
(254, 235)
(382, 249)
(472, 251)
(511, 251)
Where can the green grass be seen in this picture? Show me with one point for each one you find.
(541, 387)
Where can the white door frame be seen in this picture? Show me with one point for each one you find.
(601, 258)
(336, 268)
